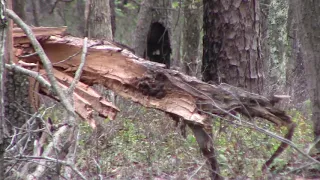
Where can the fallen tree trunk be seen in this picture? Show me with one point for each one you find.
(151, 85)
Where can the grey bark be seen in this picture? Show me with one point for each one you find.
(142, 28)
(191, 36)
(296, 82)
(310, 33)
(150, 11)
(113, 17)
(99, 22)
(277, 41)
(3, 37)
(19, 8)
(264, 32)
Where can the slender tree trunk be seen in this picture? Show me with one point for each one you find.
(142, 28)
(100, 20)
(3, 56)
(35, 12)
(113, 17)
(231, 44)
(277, 40)
(191, 36)
(310, 33)
(19, 8)
(264, 32)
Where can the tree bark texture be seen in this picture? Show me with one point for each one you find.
(99, 25)
(113, 17)
(310, 33)
(231, 42)
(277, 41)
(3, 57)
(264, 33)
(142, 28)
(191, 36)
(296, 81)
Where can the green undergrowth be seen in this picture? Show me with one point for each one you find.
(144, 143)
(243, 151)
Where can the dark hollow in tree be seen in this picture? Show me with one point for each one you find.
(158, 44)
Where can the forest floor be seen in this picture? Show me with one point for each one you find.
(146, 144)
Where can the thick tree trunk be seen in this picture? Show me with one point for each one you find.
(231, 42)
(310, 33)
(231, 47)
(296, 82)
(154, 27)
(191, 36)
(99, 24)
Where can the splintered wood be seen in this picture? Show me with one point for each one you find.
(147, 83)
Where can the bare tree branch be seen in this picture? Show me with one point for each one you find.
(79, 70)
(37, 76)
(20, 157)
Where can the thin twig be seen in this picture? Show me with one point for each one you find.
(67, 59)
(197, 170)
(37, 76)
(99, 169)
(80, 69)
(28, 55)
(300, 168)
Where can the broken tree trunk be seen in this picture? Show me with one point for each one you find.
(151, 85)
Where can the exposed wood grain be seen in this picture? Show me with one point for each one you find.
(153, 86)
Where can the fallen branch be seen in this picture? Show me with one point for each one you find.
(54, 160)
(153, 86)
